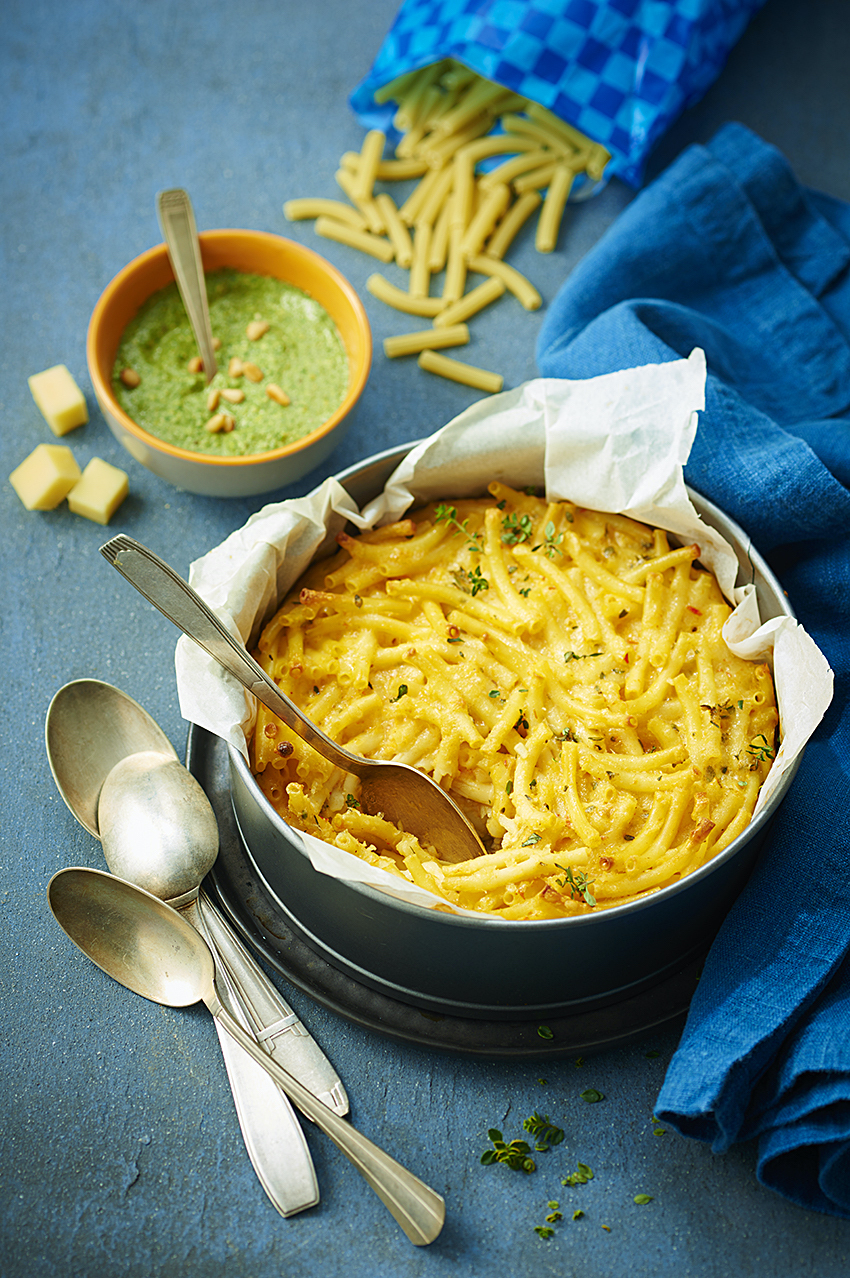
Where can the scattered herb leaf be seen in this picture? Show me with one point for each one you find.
(402, 692)
(642, 1199)
(580, 1176)
(592, 1095)
(544, 1031)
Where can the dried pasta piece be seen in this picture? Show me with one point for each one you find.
(455, 371)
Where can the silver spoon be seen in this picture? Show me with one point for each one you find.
(99, 739)
(146, 946)
(401, 793)
(184, 250)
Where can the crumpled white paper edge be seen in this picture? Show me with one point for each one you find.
(615, 443)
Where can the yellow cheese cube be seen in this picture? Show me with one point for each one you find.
(59, 398)
(99, 492)
(45, 477)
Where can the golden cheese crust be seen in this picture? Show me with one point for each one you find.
(561, 672)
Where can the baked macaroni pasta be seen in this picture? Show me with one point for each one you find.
(560, 672)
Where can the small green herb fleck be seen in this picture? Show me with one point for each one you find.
(592, 1095)
(651, 1055)
(402, 692)
(761, 749)
(580, 656)
(351, 802)
(531, 840)
(555, 1216)
(578, 1213)
(544, 1031)
(642, 1199)
(544, 1231)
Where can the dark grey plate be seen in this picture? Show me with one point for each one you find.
(238, 887)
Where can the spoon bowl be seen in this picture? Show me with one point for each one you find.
(146, 946)
(133, 936)
(90, 727)
(157, 826)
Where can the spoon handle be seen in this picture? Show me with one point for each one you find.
(273, 1137)
(181, 237)
(176, 600)
(274, 1024)
(419, 1210)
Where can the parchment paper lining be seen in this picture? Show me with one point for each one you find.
(613, 443)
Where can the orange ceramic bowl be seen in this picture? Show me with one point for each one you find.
(257, 253)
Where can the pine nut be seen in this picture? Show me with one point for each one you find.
(216, 423)
(279, 396)
(130, 377)
(228, 423)
(196, 364)
(235, 368)
(233, 396)
(212, 400)
(251, 371)
(257, 329)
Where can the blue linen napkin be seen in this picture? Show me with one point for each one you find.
(725, 250)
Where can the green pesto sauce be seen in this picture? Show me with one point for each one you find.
(302, 353)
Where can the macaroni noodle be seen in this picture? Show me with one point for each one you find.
(561, 672)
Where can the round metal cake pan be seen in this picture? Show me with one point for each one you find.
(487, 967)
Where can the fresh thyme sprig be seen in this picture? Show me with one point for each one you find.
(551, 542)
(516, 1155)
(578, 883)
(544, 1131)
(471, 583)
(448, 515)
(516, 528)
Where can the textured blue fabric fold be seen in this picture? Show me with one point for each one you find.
(727, 251)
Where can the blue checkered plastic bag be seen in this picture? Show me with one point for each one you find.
(619, 70)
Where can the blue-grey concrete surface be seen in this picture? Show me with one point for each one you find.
(120, 1152)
